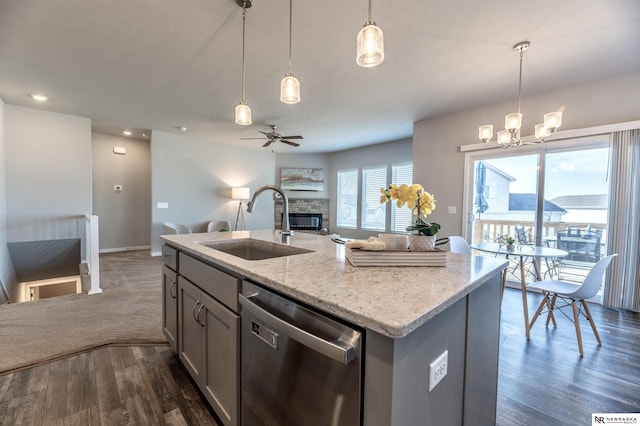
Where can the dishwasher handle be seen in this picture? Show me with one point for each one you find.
(339, 351)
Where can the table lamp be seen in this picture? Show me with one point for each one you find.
(239, 194)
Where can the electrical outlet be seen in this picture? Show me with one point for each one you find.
(438, 369)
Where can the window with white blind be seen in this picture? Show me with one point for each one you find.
(401, 217)
(374, 214)
(347, 199)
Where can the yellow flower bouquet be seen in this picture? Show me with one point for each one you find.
(421, 203)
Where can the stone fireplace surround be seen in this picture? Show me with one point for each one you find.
(303, 205)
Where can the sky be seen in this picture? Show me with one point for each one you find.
(568, 173)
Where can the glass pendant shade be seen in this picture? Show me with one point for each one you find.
(513, 122)
(290, 89)
(552, 121)
(541, 132)
(485, 133)
(370, 46)
(243, 114)
(504, 137)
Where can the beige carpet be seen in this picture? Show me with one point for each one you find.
(128, 311)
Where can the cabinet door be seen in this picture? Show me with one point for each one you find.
(170, 306)
(221, 373)
(190, 328)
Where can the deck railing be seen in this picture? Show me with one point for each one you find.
(492, 229)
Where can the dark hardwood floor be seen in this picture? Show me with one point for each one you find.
(543, 381)
(116, 385)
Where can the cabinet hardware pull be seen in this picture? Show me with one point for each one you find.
(193, 313)
(342, 352)
(172, 292)
(198, 315)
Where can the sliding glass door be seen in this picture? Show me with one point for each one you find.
(551, 194)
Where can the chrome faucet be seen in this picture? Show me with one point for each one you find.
(286, 232)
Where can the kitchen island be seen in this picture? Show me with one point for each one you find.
(409, 317)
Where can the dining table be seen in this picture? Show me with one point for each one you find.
(521, 253)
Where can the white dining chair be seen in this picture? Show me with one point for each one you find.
(458, 244)
(570, 293)
(171, 228)
(218, 226)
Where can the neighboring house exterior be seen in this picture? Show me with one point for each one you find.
(507, 206)
(588, 209)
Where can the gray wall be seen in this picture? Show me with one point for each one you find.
(196, 176)
(48, 174)
(439, 164)
(7, 275)
(374, 155)
(125, 217)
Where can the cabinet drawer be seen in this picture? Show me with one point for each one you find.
(216, 283)
(170, 256)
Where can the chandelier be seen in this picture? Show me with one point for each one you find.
(510, 136)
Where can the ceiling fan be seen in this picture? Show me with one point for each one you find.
(274, 136)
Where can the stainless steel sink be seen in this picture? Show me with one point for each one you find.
(252, 249)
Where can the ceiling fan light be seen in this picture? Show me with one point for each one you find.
(290, 89)
(485, 133)
(552, 121)
(243, 114)
(370, 46)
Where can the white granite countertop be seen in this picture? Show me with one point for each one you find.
(392, 301)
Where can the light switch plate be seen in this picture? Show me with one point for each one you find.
(162, 205)
(452, 209)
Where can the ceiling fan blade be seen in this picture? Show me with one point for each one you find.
(264, 133)
(292, 137)
(269, 142)
(246, 139)
(289, 142)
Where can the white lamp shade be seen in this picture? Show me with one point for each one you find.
(370, 46)
(240, 193)
(513, 121)
(553, 120)
(290, 90)
(243, 114)
(485, 133)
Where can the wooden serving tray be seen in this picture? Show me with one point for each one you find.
(358, 257)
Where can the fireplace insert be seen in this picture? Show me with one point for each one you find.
(305, 221)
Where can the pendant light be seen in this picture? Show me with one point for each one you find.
(510, 136)
(370, 44)
(290, 86)
(243, 112)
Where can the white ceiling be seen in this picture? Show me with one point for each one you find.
(147, 64)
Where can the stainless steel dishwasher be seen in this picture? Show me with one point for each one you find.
(298, 366)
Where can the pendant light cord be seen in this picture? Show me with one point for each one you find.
(369, 16)
(520, 79)
(290, 27)
(244, 19)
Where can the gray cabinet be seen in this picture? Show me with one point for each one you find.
(208, 336)
(170, 296)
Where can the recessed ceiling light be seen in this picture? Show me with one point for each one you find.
(181, 128)
(144, 135)
(39, 97)
(126, 132)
